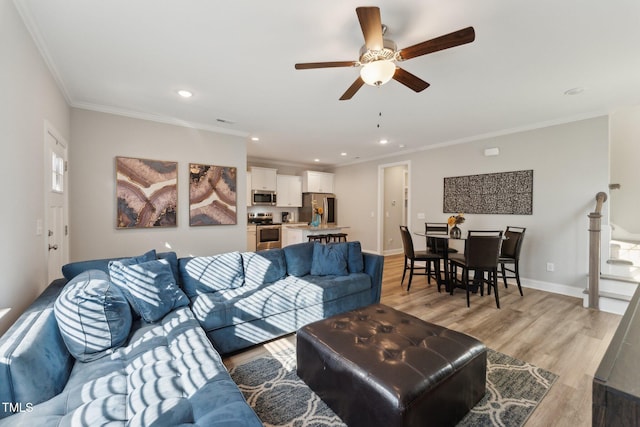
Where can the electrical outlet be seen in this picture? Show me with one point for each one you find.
(551, 266)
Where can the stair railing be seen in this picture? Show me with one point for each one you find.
(595, 222)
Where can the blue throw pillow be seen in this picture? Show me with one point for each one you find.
(355, 261)
(115, 266)
(172, 258)
(93, 316)
(201, 275)
(150, 288)
(299, 258)
(263, 267)
(329, 259)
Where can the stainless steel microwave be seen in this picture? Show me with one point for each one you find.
(263, 198)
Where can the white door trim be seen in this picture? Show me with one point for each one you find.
(49, 129)
(381, 168)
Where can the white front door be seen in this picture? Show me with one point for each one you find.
(56, 228)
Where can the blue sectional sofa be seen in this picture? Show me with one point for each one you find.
(137, 341)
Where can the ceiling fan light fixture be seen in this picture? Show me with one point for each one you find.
(377, 73)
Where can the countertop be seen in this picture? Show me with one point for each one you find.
(311, 228)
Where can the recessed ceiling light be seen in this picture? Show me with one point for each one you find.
(401, 146)
(316, 160)
(255, 139)
(383, 141)
(574, 91)
(343, 154)
(185, 93)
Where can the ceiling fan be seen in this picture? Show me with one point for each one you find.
(378, 56)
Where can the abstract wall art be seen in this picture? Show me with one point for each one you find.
(212, 195)
(147, 193)
(509, 193)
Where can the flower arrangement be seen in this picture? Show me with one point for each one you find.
(317, 214)
(455, 219)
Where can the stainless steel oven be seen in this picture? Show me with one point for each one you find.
(268, 236)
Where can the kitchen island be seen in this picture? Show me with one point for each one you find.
(298, 233)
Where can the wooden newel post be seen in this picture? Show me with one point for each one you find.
(595, 220)
(594, 259)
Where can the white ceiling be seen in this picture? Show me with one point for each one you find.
(237, 57)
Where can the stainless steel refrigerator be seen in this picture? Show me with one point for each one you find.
(326, 201)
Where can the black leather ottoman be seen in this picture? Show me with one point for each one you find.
(377, 366)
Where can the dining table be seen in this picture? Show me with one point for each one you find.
(442, 246)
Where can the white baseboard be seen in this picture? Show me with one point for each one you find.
(393, 252)
(556, 288)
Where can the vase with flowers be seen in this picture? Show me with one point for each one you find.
(453, 222)
(317, 216)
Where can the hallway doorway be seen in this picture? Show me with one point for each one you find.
(393, 205)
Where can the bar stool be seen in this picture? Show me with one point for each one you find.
(321, 238)
(337, 237)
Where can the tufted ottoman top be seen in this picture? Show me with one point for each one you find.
(386, 353)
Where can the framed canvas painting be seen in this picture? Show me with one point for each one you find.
(212, 195)
(146, 192)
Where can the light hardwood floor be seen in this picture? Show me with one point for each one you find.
(548, 330)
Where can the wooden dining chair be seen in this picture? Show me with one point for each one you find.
(411, 256)
(509, 259)
(481, 251)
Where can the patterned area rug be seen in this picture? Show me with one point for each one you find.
(280, 398)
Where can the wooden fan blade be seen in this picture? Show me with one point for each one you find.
(457, 38)
(352, 89)
(371, 25)
(310, 65)
(409, 80)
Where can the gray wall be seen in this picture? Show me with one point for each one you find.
(29, 97)
(570, 164)
(98, 138)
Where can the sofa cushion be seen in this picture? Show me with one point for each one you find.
(211, 273)
(236, 306)
(93, 316)
(150, 288)
(168, 375)
(299, 258)
(263, 267)
(355, 261)
(34, 361)
(329, 259)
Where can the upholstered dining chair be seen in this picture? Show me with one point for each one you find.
(509, 259)
(437, 228)
(481, 251)
(411, 256)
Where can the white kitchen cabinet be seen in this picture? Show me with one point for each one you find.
(263, 179)
(317, 182)
(289, 191)
(249, 201)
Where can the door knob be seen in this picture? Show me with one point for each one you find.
(54, 247)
